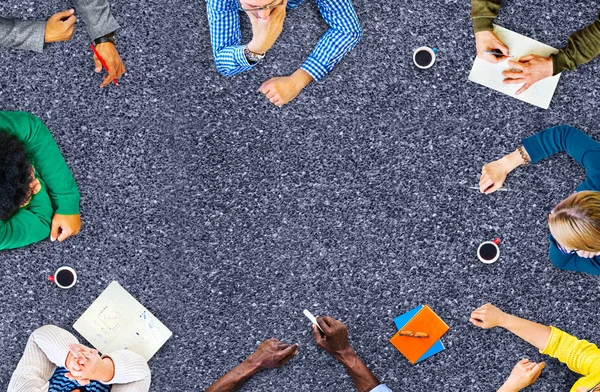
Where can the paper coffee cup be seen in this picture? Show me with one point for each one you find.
(64, 277)
(424, 57)
(489, 252)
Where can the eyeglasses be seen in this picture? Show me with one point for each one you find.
(266, 7)
(414, 334)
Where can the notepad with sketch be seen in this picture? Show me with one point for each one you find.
(490, 75)
(117, 321)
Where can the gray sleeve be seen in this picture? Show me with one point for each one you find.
(22, 34)
(97, 17)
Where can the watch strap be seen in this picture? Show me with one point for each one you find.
(110, 37)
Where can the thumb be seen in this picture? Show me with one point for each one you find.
(503, 48)
(63, 14)
(97, 64)
(316, 334)
(54, 230)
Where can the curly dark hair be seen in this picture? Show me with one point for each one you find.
(15, 175)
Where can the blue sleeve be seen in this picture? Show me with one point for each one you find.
(226, 37)
(381, 388)
(564, 138)
(343, 35)
(572, 262)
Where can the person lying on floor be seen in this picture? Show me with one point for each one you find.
(55, 361)
(574, 222)
(38, 194)
(580, 356)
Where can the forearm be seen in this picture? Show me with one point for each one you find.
(22, 34)
(533, 333)
(583, 46)
(97, 17)
(363, 378)
(235, 378)
(483, 12)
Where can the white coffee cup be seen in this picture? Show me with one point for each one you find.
(428, 50)
(488, 244)
(59, 280)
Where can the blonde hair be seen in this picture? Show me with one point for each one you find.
(575, 221)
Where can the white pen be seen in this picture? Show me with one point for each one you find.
(312, 318)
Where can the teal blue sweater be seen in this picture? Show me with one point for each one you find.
(586, 151)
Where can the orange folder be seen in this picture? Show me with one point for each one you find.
(424, 321)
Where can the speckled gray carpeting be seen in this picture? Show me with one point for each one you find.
(227, 216)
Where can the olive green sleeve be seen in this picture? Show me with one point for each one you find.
(483, 13)
(582, 47)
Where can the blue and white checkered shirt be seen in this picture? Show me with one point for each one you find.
(226, 37)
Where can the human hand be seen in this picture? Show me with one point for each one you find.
(272, 353)
(266, 31)
(85, 364)
(334, 338)
(488, 40)
(523, 375)
(529, 69)
(64, 226)
(110, 55)
(586, 254)
(488, 316)
(60, 26)
(493, 176)
(284, 89)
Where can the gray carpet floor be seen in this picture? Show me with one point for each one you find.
(227, 216)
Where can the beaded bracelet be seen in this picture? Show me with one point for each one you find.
(524, 155)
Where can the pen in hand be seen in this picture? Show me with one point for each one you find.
(497, 53)
(103, 62)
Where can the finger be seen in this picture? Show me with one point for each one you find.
(513, 81)
(64, 234)
(492, 189)
(107, 80)
(524, 361)
(97, 64)
(271, 93)
(523, 88)
(486, 184)
(526, 59)
(476, 322)
(288, 350)
(538, 368)
(490, 58)
(120, 70)
(274, 99)
(324, 325)
(317, 334)
(512, 74)
(63, 14)
(265, 87)
(54, 230)
(529, 365)
(503, 48)
(70, 22)
(290, 355)
(516, 65)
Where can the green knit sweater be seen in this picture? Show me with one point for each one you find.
(59, 194)
(583, 45)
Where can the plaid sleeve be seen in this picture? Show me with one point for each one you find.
(343, 35)
(226, 37)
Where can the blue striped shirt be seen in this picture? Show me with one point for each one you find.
(60, 383)
(226, 36)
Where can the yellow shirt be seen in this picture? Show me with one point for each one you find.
(580, 356)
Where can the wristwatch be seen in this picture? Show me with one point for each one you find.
(252, 57)
(110, 37)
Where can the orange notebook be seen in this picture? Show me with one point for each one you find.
(424, 321)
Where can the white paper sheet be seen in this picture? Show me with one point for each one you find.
(490, 75)
(117, 321)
